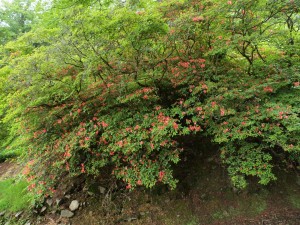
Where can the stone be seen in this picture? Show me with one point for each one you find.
(58, 202)
(2, 213)
(43, 209)
(66, 213)
(102, 189)
(18, 214)
(90, 193)
(68, 196)
(28, 223)
(130, 219)
(49, 202)
(74, 205)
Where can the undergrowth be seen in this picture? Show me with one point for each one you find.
(14, 195)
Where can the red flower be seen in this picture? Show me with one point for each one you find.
(175, 126)
(67, 166)
(198, 19)
(268, 89)
(222, 111)
(82, 168)
(104, 124)
(161, 175)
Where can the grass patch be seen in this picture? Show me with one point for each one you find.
(14, 195)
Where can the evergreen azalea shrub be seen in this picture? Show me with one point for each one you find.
(115, 86)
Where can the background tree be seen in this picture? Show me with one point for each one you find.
(16, 17)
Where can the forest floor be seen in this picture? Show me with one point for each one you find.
(203, 196)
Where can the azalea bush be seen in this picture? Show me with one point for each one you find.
(118, 85)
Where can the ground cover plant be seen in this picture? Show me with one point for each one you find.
(14, 195)
(118, 86)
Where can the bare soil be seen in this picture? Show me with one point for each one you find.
(9, 169)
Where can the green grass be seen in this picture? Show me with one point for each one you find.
(14, 195)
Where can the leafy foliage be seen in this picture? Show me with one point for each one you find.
(117, 86)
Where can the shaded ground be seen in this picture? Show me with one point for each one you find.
(203, 196)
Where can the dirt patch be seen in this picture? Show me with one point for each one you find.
(9, 169)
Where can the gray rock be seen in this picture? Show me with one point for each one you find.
(58, 202)
(90, 193)
(18, 214)
(49, 202)
(85, 188)
(68, 196)
(130, 219)
(102, 189)
(74, 205)
(2, 213)
(27, 223)
(43, 209)
(66, 213)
